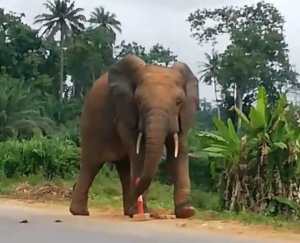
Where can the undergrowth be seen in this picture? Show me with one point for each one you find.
(106, 192)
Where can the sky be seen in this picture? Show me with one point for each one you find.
(164, 21)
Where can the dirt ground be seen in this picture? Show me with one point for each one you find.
(52, 198)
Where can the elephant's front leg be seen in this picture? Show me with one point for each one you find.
(128, 172)
(178, 169)
(136, 167)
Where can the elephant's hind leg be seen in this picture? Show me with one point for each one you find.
(85, 179)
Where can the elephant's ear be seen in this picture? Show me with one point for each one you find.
(122, 81)
(191, 103)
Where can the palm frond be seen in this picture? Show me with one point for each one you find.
(20, 110)
(101, 18)
(63, 16)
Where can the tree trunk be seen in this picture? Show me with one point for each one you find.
(239, 104)
(216, 95)
(73, 87)
(61, 46)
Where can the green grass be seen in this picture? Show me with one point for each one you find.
(106, 192)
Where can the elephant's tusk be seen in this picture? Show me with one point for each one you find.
(176, 145)
(138, 143)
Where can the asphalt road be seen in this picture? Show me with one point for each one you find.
(41, 228)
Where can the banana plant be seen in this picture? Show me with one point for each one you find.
(268, 134)
(262, 164)
(224, 143)
(265, 125)
(226, 150)
(266, 131)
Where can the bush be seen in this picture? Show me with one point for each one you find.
(58, 156)
(261, 168)
(51, 157)
(44, 158)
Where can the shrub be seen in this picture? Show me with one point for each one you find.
(261, 170)
(51, 157)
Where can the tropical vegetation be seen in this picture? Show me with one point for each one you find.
(244, 147)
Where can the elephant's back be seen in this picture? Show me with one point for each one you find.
(97, 120)
(94, 100)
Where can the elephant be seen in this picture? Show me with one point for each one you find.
(129, 116)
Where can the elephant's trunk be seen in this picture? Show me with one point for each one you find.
(155, 135)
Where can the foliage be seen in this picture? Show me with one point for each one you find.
(156, 55)
(22, 51)
(159, 55)
(204, 117)
(261, 170)
(44, 82)
(92, 48)
(257, 53)
(229, 18)
(20, 111)
(63, 18)
(51, 157)
(30, 67)
(101, 18)
(257, 57)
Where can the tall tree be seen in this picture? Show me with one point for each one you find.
(26, 55)
(160, 55)
(204, 117)
(20, 110)
(134, 48)
(65, 18)
(210, 73)
(87, 57)
(258, 53)
(157, 54)
(101, 18)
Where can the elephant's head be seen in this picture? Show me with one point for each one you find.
(154, 102)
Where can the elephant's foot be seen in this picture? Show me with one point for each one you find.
(79, 209)
(184, 210)
(134, 210)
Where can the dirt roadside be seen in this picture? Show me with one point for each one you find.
(191, 226)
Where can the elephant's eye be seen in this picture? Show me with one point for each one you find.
(178, 101)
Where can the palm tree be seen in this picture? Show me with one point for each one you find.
(20, 111)
(210, 73)
(101, 18)
(64, 18)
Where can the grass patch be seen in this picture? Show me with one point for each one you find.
(106, 192)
